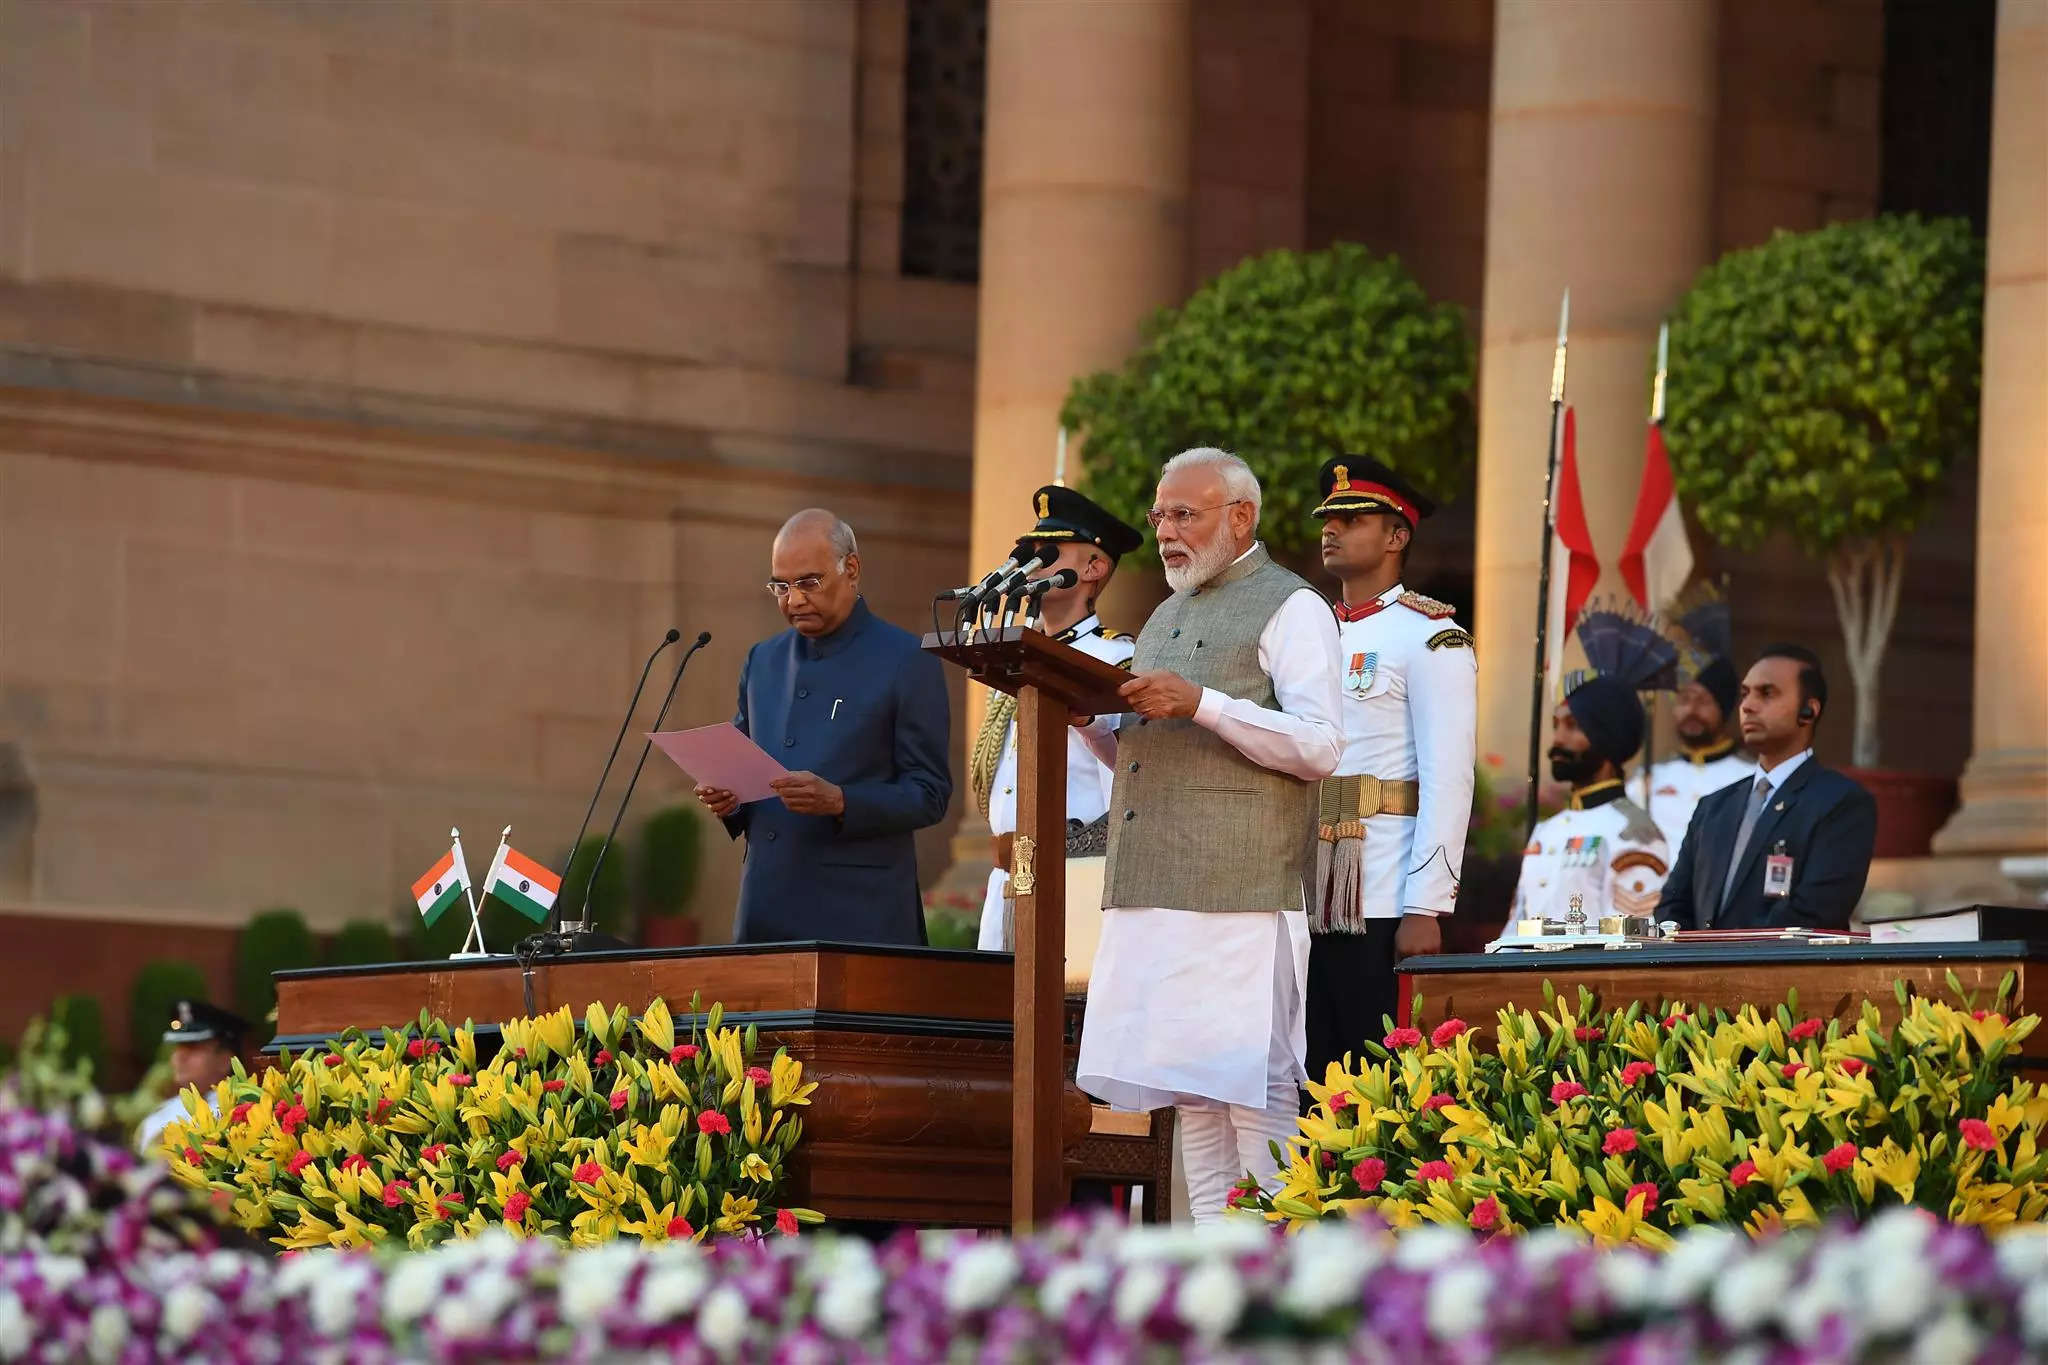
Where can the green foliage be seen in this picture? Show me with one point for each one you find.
(608, 898)
(1286, 359)
(1822, 383)
(152, 998)
(84, 1037)
(273, 941)
(671, 856)
(364, 941)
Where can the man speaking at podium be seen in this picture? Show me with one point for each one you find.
(1195, 1000)
(858, 714)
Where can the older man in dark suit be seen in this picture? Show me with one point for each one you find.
(1789, 847)
(859, 714)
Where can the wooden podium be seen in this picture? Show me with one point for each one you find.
(1052, 683)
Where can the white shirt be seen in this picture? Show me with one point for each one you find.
(1779, 775)
(1673, 789)
(151, 1130)
(1410, 684)
(1613, 857)
(1183, 1003)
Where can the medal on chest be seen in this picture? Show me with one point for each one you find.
(1359, 673)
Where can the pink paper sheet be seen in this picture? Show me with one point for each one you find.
(720, 756)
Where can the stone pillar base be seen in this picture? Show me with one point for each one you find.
(2005, 805)
(1914, 887)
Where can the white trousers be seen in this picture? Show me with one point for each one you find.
(1221, 1143)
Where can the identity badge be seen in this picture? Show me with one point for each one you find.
(1778, 875)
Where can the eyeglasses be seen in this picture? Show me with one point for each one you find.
(1183, 517)
(808, 585)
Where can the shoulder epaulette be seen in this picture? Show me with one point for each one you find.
(1636, 824)
(1428, 606)
(1109, 633)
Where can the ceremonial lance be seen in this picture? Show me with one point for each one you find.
(1564, 318)
(1656, 420)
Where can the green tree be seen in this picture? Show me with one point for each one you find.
(361, 942)
(85, 1038)
(671, 855)
(1286, 359)
(273, 941)
(608, 899)
(154, 994)
(1821, 385)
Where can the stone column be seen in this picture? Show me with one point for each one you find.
(2005, 787)
(1600, 178)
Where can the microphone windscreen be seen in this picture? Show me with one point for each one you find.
(672, 636)
(703, 638)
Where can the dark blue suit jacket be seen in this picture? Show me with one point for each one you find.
(865, 709)
(1828, 826)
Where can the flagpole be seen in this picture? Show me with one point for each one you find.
(1564, 318)
(1656, 420)
(476, 924)
(497, 859)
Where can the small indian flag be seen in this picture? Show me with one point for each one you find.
(442, 886)
(523, 884)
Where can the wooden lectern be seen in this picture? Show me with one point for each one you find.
(1052, 683)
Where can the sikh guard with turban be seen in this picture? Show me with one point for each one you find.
(1708, 758)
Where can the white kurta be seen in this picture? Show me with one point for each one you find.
(1088, 781)
(1188, 1003)
(1409, 708)
(1674, 788)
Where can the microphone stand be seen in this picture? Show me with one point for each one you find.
(631, 706)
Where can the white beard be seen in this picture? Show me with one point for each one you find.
(1202, 565)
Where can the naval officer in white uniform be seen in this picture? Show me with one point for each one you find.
(1708, 758)
(1090, 541)
(1392, 821)
(204, 1040)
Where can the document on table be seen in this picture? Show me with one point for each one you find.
(720, 756)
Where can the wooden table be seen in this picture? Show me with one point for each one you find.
(1832, 981)
(911, 1121)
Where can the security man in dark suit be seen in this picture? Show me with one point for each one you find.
(1791, 847)
(859, 713)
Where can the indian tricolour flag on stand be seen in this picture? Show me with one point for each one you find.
(522, 883)
(442, 886)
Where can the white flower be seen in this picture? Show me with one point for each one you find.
(850, 1298)
(1426, 1248)
(475, 1303)
(979, 1277)
(185, 1309)
(106, 1332)
(1457, 1304)
(1168, 1242)
(723, 1321)
(411, 1288)
(2022, 1252)
(1691, 1268)
(1747, 1291)
(1330, 1262)
(1210, 1300)
(671, 1288)
(15, 1335)
(1139, 1294)
(335, 1296)
(59, 1273)
(2033, 1315)
(1947, 1339)
(1628, 1280)
(591, 1280)
(1066, 1282)
(1896, 1296)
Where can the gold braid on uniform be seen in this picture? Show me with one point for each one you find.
(987, 753)
(1340, 860)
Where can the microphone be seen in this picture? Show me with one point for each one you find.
(631, 706)
(1000, 582)
(1029, 599)
(1065, 578)
(1017, 577)
(582, 932)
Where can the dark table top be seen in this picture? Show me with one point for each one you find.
(1723, 955)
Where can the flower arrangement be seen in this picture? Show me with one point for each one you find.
(1905, 1285)
(625, 1129)
(1632, 1124)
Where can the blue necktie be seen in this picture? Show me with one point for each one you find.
(1749, 818)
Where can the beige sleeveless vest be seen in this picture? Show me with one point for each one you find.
(1194, 824)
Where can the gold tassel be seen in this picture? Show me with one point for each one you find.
(1340, 873)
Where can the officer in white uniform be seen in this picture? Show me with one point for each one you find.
(1704, 708)
(1090, 542)
(1602, 848)
(1392, 820)
(205, 1040)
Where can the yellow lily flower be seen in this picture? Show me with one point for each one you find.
(736, 1212)
(657, 1026)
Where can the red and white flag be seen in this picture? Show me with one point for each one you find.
(1656, 560)
(1574, 568)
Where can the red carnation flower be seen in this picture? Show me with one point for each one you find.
(1636, 1071)
(450, 1207)
(619, 1098)
(1586, 1033)
(1618, 1140)
(1340, 1099)
(759, 1075)
(1436, 1102)
(551, 1086)
(682, 1052)
(520, 1053)
(192, 1156)
(679, 1230)
(1485, 1214)
(1744, 1172)
(394, 1192)
(416, 1049)
(1980, 1015)
(507, 1160)
(1369, 1173)
(1791, 1069)
(240, 1111)
(1235, 1197)
(603, 1058)
(1329, 1160)
(1434, 1170)
(1647, 1190)
(1855, 1066)
(1840, 1158)
(1806, 1028)
(711, 1121)
(292, 1119)
(382, 1106)
(1444, 1032)
(460, 1079)
(452, 1198)
(279, 1108)
(1403, 1037)
(589, 1173)
(516, 1205)
(1977, 1133)
(1566, 1090)
(435, 1152)
(1674, 1020)
(785, 1222)
(331, 1059)
(433, 1047)
(299, 1162)
(355, 1161)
